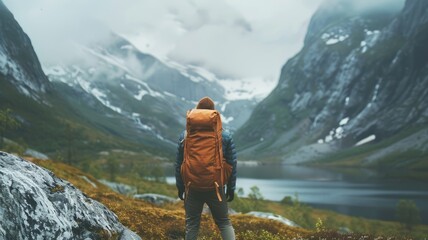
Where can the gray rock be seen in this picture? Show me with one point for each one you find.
(119, 187)
(357, 76)
(129, 235)
(35, 204)
(157, 199)
(35, 154)
(273, 216)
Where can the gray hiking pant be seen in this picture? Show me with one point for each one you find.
(194, 204)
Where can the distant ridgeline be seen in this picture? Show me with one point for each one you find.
(356, 94)
(112, 96)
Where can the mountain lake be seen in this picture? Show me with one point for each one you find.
(364, 193)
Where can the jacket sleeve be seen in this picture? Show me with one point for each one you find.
(230, 155)
(178, 161)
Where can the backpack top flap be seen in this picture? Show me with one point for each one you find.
(203, 119)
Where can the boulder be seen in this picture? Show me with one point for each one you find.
(35, 204)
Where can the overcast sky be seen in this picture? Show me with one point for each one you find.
(233, 38)
(236, 39)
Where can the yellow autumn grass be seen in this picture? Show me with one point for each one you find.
(154, 222)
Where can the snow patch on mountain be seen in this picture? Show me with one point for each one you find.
(149, 91)
(248, 88)
(333, 38)
(97, 93)
(194, 73)
(366, 140)
(10, 67)
(371, 38)
(107, 58)
(236, 89)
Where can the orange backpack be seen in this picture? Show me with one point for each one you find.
(204, 167)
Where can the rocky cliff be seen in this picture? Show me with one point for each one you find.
(361, 78)
(18, 61)
(34, 204)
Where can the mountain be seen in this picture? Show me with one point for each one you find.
(356, 92)
(49, 121)
(149, 95)
(18, 62)
(112, 96)
(35, 204)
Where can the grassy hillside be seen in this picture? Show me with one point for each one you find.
(57, 128)
(152, 222)
(167, 222)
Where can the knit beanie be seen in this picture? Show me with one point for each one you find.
(205, 103)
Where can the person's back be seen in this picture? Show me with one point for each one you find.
(194, 152)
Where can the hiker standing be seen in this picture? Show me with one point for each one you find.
(203, 167)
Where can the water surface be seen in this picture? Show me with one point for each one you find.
(357, 192)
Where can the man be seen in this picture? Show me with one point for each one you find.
(194, 199)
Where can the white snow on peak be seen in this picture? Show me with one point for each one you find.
(332, 38)
(55, 71)
(335, 133)
(366, 140)
(236, 89)
(363, 45)
(194, 73)
(142, 92)
(9, 67)
(376, 92)
(97, 93)
(108, 58)
(338, 134)
(92, 70)
(169, 94)
(223, 106)
(137, 120)
(247, 88)
(344, 121)
(204, 73)
(370, 39)
(226, 120)
(127, 47)
(346, 101)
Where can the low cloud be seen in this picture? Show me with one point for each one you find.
(234, 38)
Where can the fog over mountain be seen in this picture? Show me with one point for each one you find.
(232, 39)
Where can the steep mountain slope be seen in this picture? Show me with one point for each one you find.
(18, 62)
(112, 96)
(149, 94)
(361, 77)
(48, 120)
(150, 97)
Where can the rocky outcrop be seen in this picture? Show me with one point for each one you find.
(34, 204)
(154, 198)
(272, 216)
(361, 77)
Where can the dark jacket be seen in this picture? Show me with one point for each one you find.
(229, 154)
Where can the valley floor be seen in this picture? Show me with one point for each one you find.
(167, 221)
